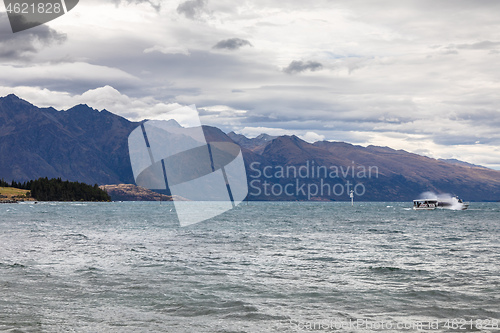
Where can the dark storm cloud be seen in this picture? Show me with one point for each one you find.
(298, 66)
(232, 44)
(19, 45)
(192, 8)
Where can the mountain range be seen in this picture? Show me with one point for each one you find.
(80, 144)
(257, 144)
(87, 145)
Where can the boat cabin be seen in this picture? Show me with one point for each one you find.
(427, 204)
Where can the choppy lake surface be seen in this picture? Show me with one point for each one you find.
(262, 267)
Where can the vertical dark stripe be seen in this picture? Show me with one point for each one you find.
(145, 135)
(150, 152)
(165, 175)
(227, 186)
(211, 158)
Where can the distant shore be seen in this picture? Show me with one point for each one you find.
(14, 195)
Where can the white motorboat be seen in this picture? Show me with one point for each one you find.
(453, 203)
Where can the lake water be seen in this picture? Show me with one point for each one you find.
(265, 267)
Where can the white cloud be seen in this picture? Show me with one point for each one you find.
(168, 49)
(132, 108)
(312, 137)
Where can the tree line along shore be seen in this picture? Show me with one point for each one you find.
(44, 189)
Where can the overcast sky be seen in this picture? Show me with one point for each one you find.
(420, 75)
